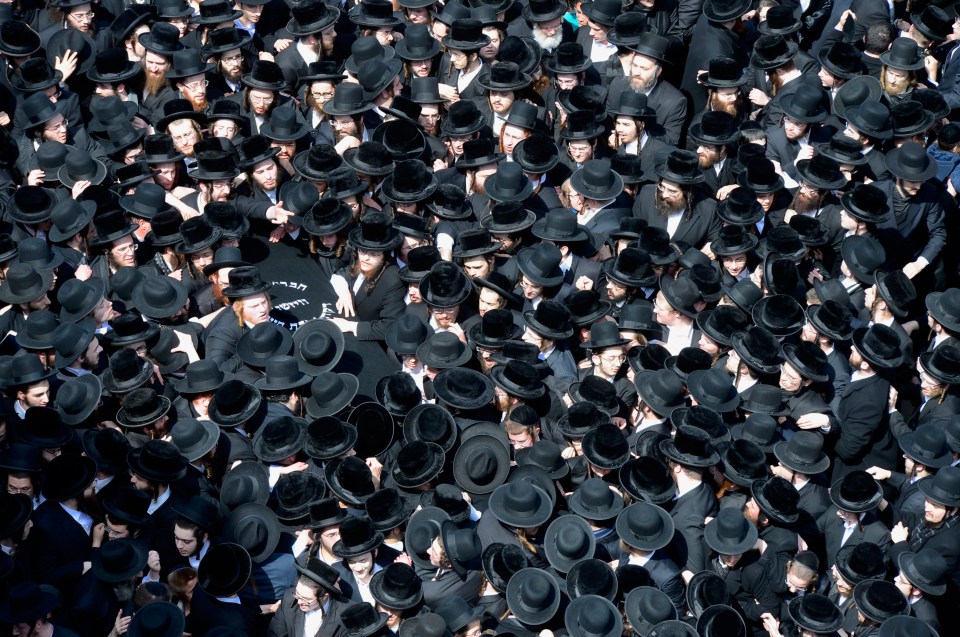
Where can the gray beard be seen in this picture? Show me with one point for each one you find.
(548, 42)
(646, 86)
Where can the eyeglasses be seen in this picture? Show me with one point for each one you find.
(186, 137)
(527, 285)
(196, 86)
(61, 126)
(673, 192)
(233, 59)
(112, 532)
(129, 247)
(432, 117)
(18, 490)
(305, 600)
(326, 95)
(82, 16)
(613, 359)
(261, 100)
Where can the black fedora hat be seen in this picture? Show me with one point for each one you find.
(128, 506)
(362, 620)
(758, 348)
(108, 448)
(730, 533)
(158, 619)
(328, 437)
(279, 439)
(244, 281)
(831, 319)
(445, 285)
(803, 453)
(494, 329)
(933, 22)
(593, 616)
(463, 119)
(603, 335)
(781, 314)
(375, 232)
(806, 104)
(631, 268)
(350, 480)
(559, 226)
(550, 320)
(910, 162)
(234, 402)
(859, 562)
(202, 376)
(310, 17)
(944, 307)
(841, 60)
(816, 613)
(897, 291)
(296, 493)
(375, 426)
(398, 393)
(265, 76)
(760, 176)
(72, 40)
(119, 560)
(821, 172)
(533, 596)
(544, 454)
(450, 202)
(904, 54)
(78, 398)
(224, 570)
(721, 620)
(780, 21)
(870, 118)
(407, 334)
(777, 499)
(879, 600)
(597, 181)
(598, 391)
(42, 427)
(772, 51)
(126, 372)
(35, 75)
(387, 510)
(520, 504)
(418, 44)
(605, 447)
(430, 423)
(18, 39)
(717, 128)
(541, 264)
(879, 345)
(316, 163)
(867, 203)
(536, 154)
(262, 343)
(646, 607)
(466, 34)
(25, 283)
(586, 307)
(681, 167)
(508, 183)
(722, 72)
(448, 498)
(163, 39)
(504, 76)
(477, 153)
(519, 379)
(318, 346)
(254, 527)
(224, 39)
(926, 445)
(30, 205)
(127, 328)
(744, 461)
(691, 446)
(142, 407)
(194, 438)
(418, 462)
(910, 119)
(844, 150)
(246, 482)
(481, 464)
(722, 322)
(864, 255)
(569, 58)
(543, 10)
(856, 492)
(500, 563)
(943, 487)
(645, 527)
(286, 124)
(603, 12)
(581, 418)
(157, 461)
(925, 570)
(214, 12)
(661, 390)
(397, 587)
(357, 536)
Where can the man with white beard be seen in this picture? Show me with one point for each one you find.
(544, 22)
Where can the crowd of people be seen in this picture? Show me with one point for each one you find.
(612, 318)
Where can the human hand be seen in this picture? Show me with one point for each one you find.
(35, 177)
(879, 474)
(758, 97)
(813, 421)
(892, 398)
(78, 188)
(584, 283)
(66, 65)
(83, 272)
(296, 466)
(899, 533)
(153, 562)
(403, 558)
(280, 45)
(122, 623)
(278, 215)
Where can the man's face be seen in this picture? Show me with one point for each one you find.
(489, 52)
(231, 65)
(793, 129)
(385, 36)
(530, 289)
(256, 309)
(418, 15)
(476, 267)
(456, 144)
(265, 174)
(766, 200)
(56, 129)
(167, 178)
(328, 537)
(219, 190)
(261, 101)
(421, 68)
(287, 149)
(529, 336)
(897, 81)
(909, 188)
(843, 586)
(827, 80)
(521, 440)
(501, 101)
(597, 31)
(344, 126)
(361, 566)
(644, 72)
(194, 89)
(187, 545)
(488, 300)
(933, 512)
(512, 135)
(20, 485)
(616, 292)
(459, 59)
(580, 151)
(184, 135)
(445, 316)
(735, 264)
(37, 395)
(790, 379)
(155, 65)
(609, 360)
(104, 311)
(251, 12)
(709, 156)
(91, 356)
(80, 18)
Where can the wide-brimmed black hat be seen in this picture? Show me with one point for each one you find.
(18, 39)
(157, 461)
(859, 562)
(717, 128)
(772, 51)
(870, 118)
(418, 462)
(864, 255)
(119, 560)
(224, 570)
(244, 281)
(533, 596)
(519, 379)
(257, 529)
(927, 445)
(42, 427)
(536, 154)
(466, 34)
(879, 600)
(398, 393)
(362, 620)
(944, 307)
(350, 480)
(879, 345)
(645, 527)
(508, 183)
(681, 167)
(831, 319)
(126, 372)
(856, 492)
(279, 439)
(262, 343)
(691, 446)
(758, 348)
(201, 377)
(311, 17)
(646, 607)
(520, 504)
(504, 76)
(328, 437)
(387, 510)
(803, 453)
(445, 285)
(777, 498)
(35, 75)
(605, 447)
(25, 283)
(866, 203)
(841, 60)
(816, 613)
(596, 180)
(397, 587)
(943, 487)
(910, 119)
(550, 320)
(821, 172)
(729, 533)
(925, 570)
(723, 72)
(593, 616)
(375, 232)
(760, 176)
(844, 150)
(318, 346)
(904, 54)
(781, 314)
(806, 104)
(481, 464)
(910, 162)
(296, 493)
(430, 423)
(375, 427)
(234, 402)
(142, 407)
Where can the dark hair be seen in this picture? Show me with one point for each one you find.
(878, 38)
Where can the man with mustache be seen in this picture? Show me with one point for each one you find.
(314, 28)
(160, 44)
(687, 213)
(543, 21)
(793, 140)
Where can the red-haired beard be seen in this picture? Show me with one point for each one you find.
(154, 84)
(717, 104)
(805, 201)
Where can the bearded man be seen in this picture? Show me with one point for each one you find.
(160, 43)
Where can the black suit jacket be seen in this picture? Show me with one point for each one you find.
(689, 512)
(865, 439)
(62, 545)
(921, 231)
(698, 226)
(669, 103)
(289, 620)
(377, 310)
(666, 576)
(870, 529)
(750, 590)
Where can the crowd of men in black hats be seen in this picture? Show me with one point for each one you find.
(479, 317)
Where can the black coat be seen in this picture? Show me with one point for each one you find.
(378, 309)
(669, 103)
(865, 440)
(289, 620)
(689, 512)
(696, 228)
(712, 41)
(750, 590)
(62, 544)
(870, 529)
(921, 231)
